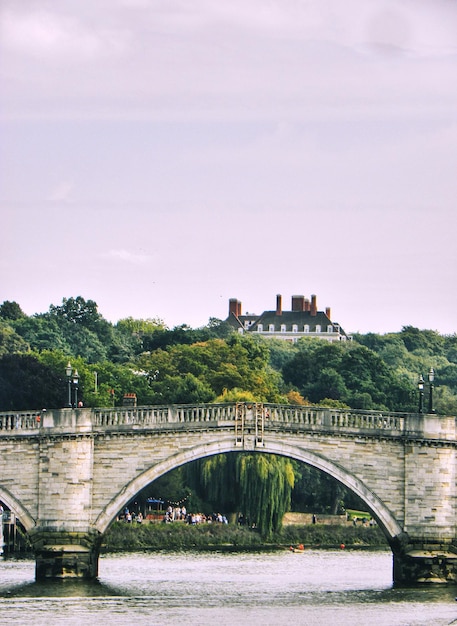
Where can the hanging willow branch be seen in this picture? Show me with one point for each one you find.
(266, 483)
(258, 486)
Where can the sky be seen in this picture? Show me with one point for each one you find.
(163, 156)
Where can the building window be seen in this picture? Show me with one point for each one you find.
(294, 328)
(271, 328)
(330, 328)
(306, 328)
(260, 328)
(318, 329)
(283, 328)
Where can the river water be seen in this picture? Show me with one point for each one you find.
(325, 587)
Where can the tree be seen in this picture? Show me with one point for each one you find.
(27, 384)
(77, 311)
(258, 486)
(347, 372)
(235, 363)
(11, 310)
(42, 333)
(10, 341)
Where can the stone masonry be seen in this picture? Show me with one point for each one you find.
(67, 474)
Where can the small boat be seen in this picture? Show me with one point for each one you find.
(299, 549)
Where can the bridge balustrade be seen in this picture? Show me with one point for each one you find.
(138, 416)
(20, 421)
(274, 416)
(363, 420)
(286, 414)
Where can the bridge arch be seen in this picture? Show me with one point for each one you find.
(383, 515)
(17, 508)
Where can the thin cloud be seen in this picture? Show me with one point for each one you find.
(133, 258)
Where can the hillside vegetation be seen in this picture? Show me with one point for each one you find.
(216, 364)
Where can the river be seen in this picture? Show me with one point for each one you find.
(318, 587)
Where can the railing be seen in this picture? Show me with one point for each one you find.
(160, 415)
(334, 419)
(275, 416)
(20, 421)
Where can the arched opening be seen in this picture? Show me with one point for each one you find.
(13, 531)
(380, 512)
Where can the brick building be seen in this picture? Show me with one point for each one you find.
(303, 320)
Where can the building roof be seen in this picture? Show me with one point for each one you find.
(303, 314)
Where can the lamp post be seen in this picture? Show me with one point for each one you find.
(420, 386)
(68, 372)
(75, 380)
(431, 378)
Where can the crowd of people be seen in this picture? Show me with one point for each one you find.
(175, 514)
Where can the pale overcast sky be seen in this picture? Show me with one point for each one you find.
(163, 156)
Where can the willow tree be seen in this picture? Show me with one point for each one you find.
(258, 486)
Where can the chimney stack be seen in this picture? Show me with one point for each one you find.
(313, 306)
(279, 304)
(327, 312)
(307, 305)
(298, 303)
(234, 307)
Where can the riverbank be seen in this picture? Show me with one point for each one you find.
(124, 537)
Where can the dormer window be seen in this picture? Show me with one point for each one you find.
(260, 328)
(306, 328)
(318, 329)
(271, 328)
(330, 328)
(294, 328)
(283, 328)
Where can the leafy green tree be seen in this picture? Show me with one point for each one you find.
(140, 327)
(347, 372)
(10, 341)
(27, 384)
(258, 486)
(77, 311)
(11, 310)
(415, 339)
(189, 389)
(236, 363)
(42, 333)
(317, 492)
(329, 384)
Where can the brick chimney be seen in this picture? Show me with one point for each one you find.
(234, 307)
(328, 312)
(279, 304)
(313, 306)
(307, 305)
(298, 303)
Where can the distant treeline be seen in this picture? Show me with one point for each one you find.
(212, 363)
(216, 364)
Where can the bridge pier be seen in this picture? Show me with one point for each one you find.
(62, 554)
(426, 564)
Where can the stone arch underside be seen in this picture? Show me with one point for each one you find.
(16, 507)
(383, 515)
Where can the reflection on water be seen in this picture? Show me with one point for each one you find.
(317, 587)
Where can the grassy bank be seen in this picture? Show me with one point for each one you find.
(123, 537)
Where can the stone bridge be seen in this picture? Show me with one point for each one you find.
(66, 474)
